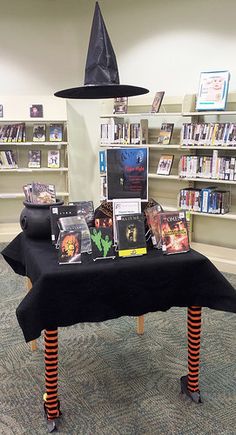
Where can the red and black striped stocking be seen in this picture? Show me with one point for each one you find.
(51, 374)
(194, 332)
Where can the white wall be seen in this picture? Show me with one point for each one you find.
(162, 45)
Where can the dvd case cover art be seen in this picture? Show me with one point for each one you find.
(57, 212)
(174, 232)
(85, 209)
(39, 133)
(43, 193)
(56, 132)
(77, 223)
(103, 222)
(127, 170)
(102, 243)
(131, 235)
(69, 247)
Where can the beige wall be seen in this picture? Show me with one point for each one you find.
(159, 44)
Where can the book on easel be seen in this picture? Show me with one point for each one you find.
(157, 101)
(69, 251)
(131, 235)
(102, 243)
(174, 232)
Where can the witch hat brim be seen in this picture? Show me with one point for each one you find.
(101, 71)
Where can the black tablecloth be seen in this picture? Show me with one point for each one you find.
(63, 295)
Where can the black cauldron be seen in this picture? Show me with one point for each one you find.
(35, 220)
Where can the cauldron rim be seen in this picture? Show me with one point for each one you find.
(33, 205)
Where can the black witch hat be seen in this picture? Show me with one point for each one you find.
(101, 71)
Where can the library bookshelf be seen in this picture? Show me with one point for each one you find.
(211, 234)
(16, 111)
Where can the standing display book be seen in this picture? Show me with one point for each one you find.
(131, 235)
(127, 170)
(102, 243)
(213, 90)
(39, 133)
(53, 159)
(34, 159)
(165, 133)
(174, 232)
(123, 207)
(69, 247)
(57, 212)
(153, 215)
(165, 164)
(156, 104)
(77, 223)
(85, 209)
(120, 105)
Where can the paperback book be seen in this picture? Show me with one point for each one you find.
(165, 164)
(174, 232)
(53, 159)
(120, 105)
(39, 133)
(131, 235)
(69, 251)
(55, 132)
(157, 101)
(34, 159)
(165, 133)
(102, 243)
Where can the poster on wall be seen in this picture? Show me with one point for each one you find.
(213, 90)
(127, 170)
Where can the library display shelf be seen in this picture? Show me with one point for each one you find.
(31, 149)
(211, 233)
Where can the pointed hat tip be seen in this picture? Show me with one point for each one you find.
(101, 70)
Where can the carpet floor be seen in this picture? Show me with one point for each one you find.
(114, 382)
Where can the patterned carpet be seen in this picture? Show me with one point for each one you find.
(114, 382)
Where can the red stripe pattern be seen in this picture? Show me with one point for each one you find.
(51, 373)
(194, 333)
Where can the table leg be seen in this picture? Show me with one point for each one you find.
(190, 383)
(51, 402)
(140, 325)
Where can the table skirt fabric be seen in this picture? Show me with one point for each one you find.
(64, 295)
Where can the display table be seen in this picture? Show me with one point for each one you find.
(63, 295)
